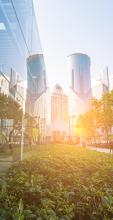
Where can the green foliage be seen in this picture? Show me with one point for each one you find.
(98, 120)
(60, 183)
(32, 129)
(9, 108)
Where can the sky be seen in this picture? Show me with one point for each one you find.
(67, 26)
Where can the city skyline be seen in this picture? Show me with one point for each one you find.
(79, 27)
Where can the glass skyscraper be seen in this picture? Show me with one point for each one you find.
(36, 80)
(80, 88)
(79, 65)
(19, 36)
(20, 47)
(36, 76)
(21, 57)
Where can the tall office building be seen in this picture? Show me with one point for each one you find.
(80, 83)
(19, 36)
(38, 96)
(19, 39)
(16, 88)
(102, 85)
(59, 112)
(36, 85)
(59, 105)
(36, 76)
(99, 90)
(105, 78)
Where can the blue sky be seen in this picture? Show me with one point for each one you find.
(67, 26)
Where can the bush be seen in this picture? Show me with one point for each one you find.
(61, 182)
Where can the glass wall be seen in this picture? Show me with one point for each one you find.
(21, 65)
(19, 36)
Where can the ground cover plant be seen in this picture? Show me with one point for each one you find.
(59, 182)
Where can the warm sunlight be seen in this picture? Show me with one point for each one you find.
(56, 110)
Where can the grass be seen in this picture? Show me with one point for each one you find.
(59, 182)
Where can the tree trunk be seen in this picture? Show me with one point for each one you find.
(107, 137)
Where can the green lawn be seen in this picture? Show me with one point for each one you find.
(59, 182)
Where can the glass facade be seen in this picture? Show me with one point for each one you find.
(79, 68)
(36, 76)
(19, 36)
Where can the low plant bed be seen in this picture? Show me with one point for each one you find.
(59, 183)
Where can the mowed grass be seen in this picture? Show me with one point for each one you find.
(59, 182)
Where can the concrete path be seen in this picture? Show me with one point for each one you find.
(7, 161)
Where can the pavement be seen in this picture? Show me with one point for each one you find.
(7, 161)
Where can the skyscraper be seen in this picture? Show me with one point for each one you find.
(36, 80)
(16, 88)
(36, 75)
(59, 105)
(19, 36)
(19, 41)
(80, 83)
(105, 78)
(59, 128)
(99, 90)
(102, 85)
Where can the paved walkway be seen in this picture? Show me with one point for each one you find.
(7, 161)
(99, 149)
(4, 166)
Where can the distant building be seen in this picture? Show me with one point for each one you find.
(4, 84)
(59, 113)
(38, 95)
(59, 105)
(99, 90)
(102, 86)
(16, 88)
(36, 81)
(80, 83)
(105, 78)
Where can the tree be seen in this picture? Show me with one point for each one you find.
(32, 129)
(99, 119)
(85, 126)
(9, 109)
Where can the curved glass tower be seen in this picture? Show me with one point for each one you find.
(79, 65)
(36, 76)
(80, 88)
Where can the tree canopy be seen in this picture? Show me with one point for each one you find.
(98, 120)
(9, 108)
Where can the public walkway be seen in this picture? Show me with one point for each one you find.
(7, 161)
(99, 149)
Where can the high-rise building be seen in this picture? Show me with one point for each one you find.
(16, 88)
(80, 83)
(59, 128)
(4, 84)
(59, 105)
(99, 90)
(19, 36)
(105, 78)
(19, 41)
(36, 85)
(36, 76)
(102, 85)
